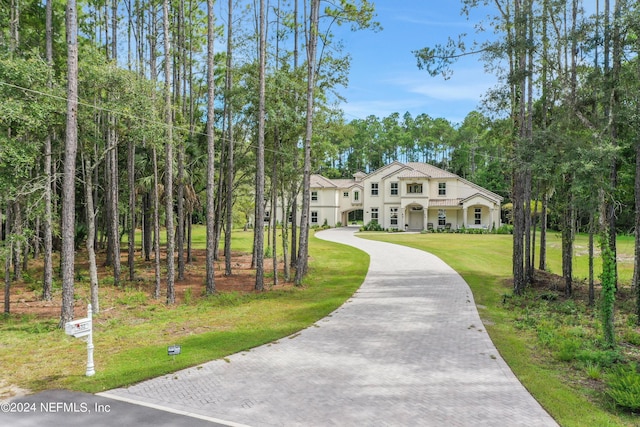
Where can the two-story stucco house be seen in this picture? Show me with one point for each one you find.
(411, 196)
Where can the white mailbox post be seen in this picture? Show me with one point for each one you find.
(80, 328)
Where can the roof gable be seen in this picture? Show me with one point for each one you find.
(384, 168)
(319, 181)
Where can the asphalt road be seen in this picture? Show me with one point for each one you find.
(62, 408)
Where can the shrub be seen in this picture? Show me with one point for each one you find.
(505, 229)
(602, 358)
(547, 334)
(568, 349)
(624, 388)
(372, 226)
(593, 370)
(631, 336)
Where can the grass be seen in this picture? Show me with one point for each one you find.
(132, 331)
(533, 333)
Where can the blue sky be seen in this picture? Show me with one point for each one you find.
(384, 76)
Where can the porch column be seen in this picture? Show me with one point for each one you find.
(425, 217)
(464, 217)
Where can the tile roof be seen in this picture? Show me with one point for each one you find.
(319, 181)
(345, 183)
(412, 173)
(432, 171)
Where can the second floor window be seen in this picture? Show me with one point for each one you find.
(442, 189)
(374, 188)
(356, 196)
(314, 196)
(394, 188)
(345, 194)
(414, 188)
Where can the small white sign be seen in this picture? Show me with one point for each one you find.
(78, 328)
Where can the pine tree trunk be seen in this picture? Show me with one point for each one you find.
(70, 149)
(294, 184)
(543, 233)
(154, 158)
(17, 246)
(567, 238)
(274, 207)
(131, 150)
(210, 281)
(156, 224)
(230, 143)
(260, 174)
(312, 43)
(168, 175)
(113, 156)
(146, 225)
(91, 228)
(7, 260)
(114, 216)
(47, 280)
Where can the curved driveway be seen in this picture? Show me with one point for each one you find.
(407, 349)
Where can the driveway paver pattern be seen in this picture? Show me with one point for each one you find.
(408, 349)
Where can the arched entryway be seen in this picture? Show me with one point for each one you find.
(355, 216)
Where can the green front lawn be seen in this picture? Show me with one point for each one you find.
(133, 331)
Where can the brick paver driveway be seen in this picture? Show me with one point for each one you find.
(408, 349)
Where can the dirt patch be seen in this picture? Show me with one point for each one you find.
(26, 293)
(10, 391)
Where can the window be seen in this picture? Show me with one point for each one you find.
(374, 214)
(394, 217)
(314, 217)
(477, 215)
(267, 216)
(314, 196)
(442, 217)
(394, 188)
(374, 188)
(414, 188)
(356, 196)
(345, 194)
(442, 189)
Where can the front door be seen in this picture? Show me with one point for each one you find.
(416, 220)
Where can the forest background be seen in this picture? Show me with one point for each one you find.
(163, 129)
